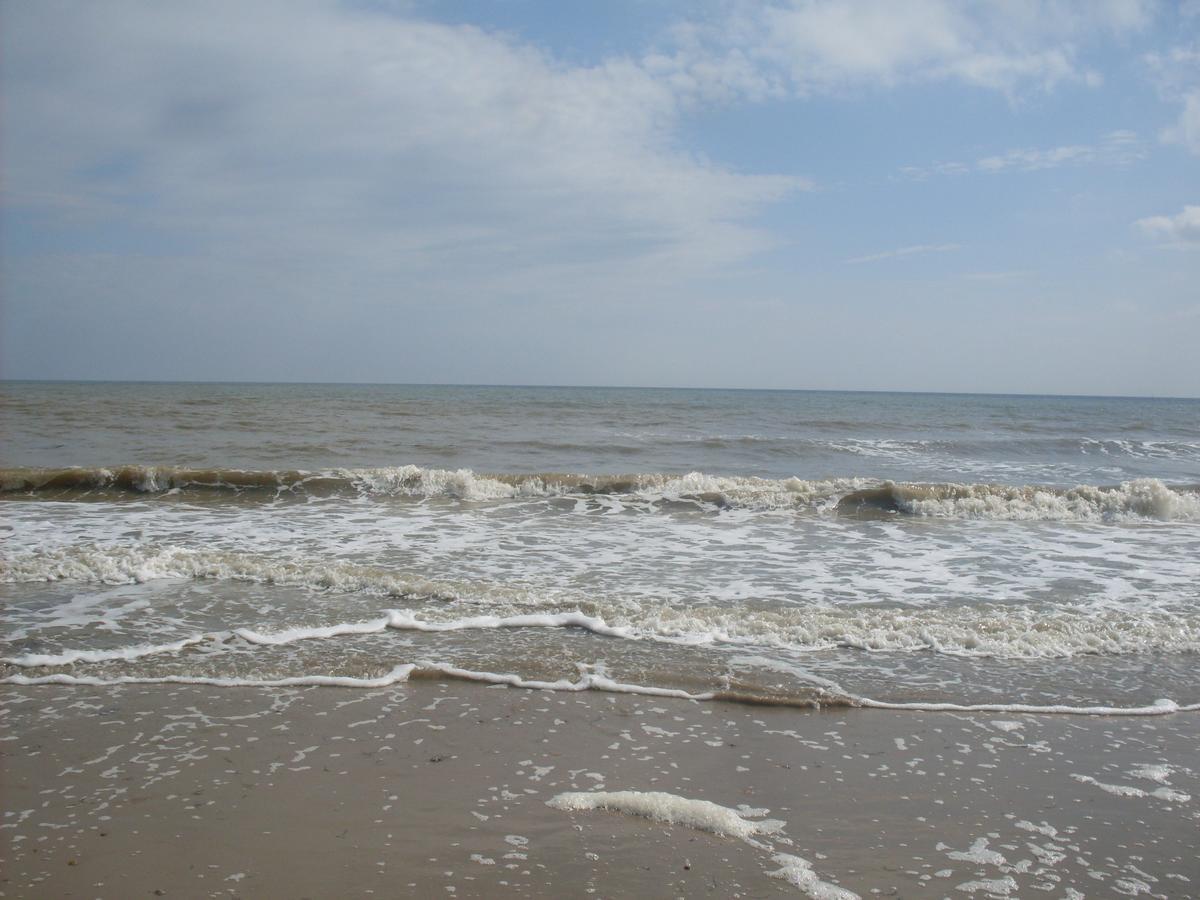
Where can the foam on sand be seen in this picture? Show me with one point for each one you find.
(799, 871)
(1170, 795)
(1161, 707)
(704, 815)
(672, 809)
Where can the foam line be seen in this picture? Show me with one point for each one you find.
(1157, 708)
(69, 657)
(593, 681)
(395, 676)
(291, 635)
(587, 681)
(406, 621)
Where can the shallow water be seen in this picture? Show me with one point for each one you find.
(781, 546)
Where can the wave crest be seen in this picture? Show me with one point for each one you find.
(1144, 498)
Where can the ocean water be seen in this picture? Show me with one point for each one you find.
(764, 546)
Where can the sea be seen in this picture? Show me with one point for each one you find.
(832, 549)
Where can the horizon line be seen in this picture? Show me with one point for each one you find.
(613, 387)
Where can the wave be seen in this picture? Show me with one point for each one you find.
(1140, 499)
(980, 631)
(415, 481)
(1143, 498)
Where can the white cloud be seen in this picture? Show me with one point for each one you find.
(1186, 130)
(1116, 148)
(417, 146)
(812, 46)
(1176, 72)
(903, 251)
(1183, 228)
(1175, 69)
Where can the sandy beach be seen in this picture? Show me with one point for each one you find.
(441, 789)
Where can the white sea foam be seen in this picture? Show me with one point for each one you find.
(979, 854)
(1163, 707)
(588, 681)
(142, 563)
(291, 635)
(416, 481)
(672, 809)
(799, 872)
(704, 815)
(1159, 773)
(70, 657)
(397, 675)
(980, 630)
(993, 887)
(1121, 790)
(407, 621)
(1045, 828)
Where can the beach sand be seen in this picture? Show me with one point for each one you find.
(440, 789)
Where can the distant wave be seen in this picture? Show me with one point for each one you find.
(1145, 498)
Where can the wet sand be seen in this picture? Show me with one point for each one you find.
(440, 789)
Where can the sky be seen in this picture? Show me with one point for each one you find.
(862, 195)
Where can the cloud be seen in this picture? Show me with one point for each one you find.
(1176, 73)
(807, 47)
(1183, 228)
(1117, 148)
(1186, 130)
(422, 148)
(903, 251)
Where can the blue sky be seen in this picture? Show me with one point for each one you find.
(927, 195)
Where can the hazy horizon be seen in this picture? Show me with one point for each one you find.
(793, 195)
(598, 387)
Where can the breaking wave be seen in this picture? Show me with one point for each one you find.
(1144, 498)
(1140, 499)
(976, 631)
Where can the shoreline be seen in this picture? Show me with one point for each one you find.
(440, 788)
